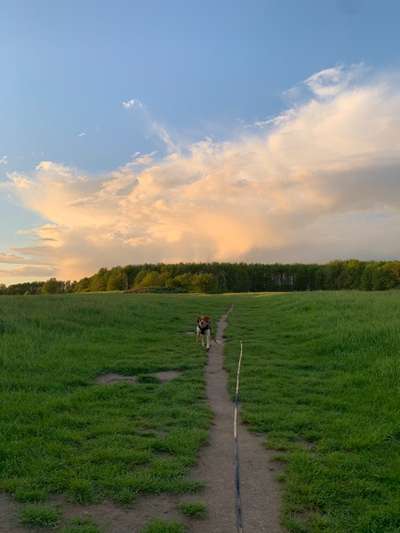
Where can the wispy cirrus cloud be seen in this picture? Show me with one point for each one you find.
(317, 182)
(155, 128)
(332, 81)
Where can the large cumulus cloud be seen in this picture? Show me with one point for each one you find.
(318, 182)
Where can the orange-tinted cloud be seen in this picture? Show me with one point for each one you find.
(313, 184)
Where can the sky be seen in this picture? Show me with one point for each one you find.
(197, 130)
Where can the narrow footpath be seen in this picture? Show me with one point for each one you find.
(260, 494)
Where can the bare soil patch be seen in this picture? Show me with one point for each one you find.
(9, 516)
(162, 377)
(109, 517)
(167, 375)
(109, 379)
(129, 519)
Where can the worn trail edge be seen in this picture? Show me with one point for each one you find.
(260, 493)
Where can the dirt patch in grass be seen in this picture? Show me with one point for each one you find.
(107, 516)
(167, 375)
(130, 518)
(162, 377)
(9, 516)
(110, 379)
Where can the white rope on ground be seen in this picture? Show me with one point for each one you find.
(235, 432)
(239, 517)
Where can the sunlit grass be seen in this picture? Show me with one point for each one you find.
(321, 378)
(194, 509)
(62, 433)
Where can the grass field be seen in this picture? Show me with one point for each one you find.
(63, 434)
(320, 377)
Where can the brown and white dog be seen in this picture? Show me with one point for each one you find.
(203, 330)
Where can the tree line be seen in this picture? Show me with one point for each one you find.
(225, 277)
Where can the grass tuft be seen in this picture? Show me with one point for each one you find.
(40, 516)
(30, 495)
(194, 509)
(81, 491)
(163, 526)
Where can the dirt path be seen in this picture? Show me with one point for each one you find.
(259, 489)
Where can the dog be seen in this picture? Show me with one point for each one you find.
(203, 331)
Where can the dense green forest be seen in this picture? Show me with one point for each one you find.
(225, 277)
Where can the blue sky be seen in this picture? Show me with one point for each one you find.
(199, 69)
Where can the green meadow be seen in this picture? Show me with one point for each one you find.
(61, 433)
(320, 378)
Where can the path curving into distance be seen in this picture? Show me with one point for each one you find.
(260, 493)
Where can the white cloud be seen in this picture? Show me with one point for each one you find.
(4, 160)
(155, 127)
(332, 81)
(162, 133)
(82, 134)
(321, 181)
(133, 103)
